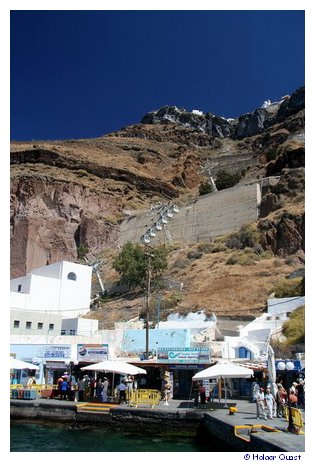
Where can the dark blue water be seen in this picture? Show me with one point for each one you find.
(41, 437)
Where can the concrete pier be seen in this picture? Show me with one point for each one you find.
(179, 417)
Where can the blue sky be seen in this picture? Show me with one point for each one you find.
(78, 74)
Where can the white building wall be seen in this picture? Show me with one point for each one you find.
(80, 326)
(278, 306)
(24, 282)
(51, 323)
(261, 327)
(50, 289)
(254, 335)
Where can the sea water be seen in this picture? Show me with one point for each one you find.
(43, 437)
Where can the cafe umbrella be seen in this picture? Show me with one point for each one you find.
(271, 370)
(116, 367)
(224, 371)
(17, 364)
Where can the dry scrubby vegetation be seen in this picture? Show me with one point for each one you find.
(294, 328)
(225, 276)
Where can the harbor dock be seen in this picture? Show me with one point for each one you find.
(240, 431)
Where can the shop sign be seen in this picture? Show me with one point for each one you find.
(56, 365)
(92, 352)
(183, 355)
(54, 352)
(187, 366)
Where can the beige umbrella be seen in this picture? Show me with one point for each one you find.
(116, 367)
(224, 371)
(17, 364)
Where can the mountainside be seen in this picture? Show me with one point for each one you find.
(70, 197)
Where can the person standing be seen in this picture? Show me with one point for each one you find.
(122, 392)
(99, 390)
(255, 389)
(81, 389)
(86, 386)
(281, 401)
(129, 383)
(260, 404)
(64, 388)
(196, 388)
(270, 403)
(105, 389)
(202, 391)
(292, 399)
(300, 393)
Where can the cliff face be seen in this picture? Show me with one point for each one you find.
(73, 194)
(51, 219)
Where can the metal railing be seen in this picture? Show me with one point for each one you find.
(296, 416)
(142, 396)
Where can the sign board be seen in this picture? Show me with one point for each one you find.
(54, 352)
(92, 352)
(183, 355)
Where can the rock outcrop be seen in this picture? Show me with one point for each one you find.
(246, 125)
(51, 219)
(284, 236)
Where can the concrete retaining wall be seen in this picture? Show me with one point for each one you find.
(209, 216)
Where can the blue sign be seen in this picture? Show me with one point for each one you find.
(183, 355)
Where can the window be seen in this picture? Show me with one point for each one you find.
(51, 326)
(16, 324)
(72, 276)
(39, 325)
(28, 325)
(20, 288)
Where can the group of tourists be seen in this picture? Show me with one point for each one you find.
(86, 388)
(276, 405)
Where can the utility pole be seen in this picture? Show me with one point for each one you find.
(158, 305)
(149, 255)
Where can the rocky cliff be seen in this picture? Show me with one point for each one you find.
(246, 125)
(69, 197)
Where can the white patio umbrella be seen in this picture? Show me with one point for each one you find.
(17, 364)
(272, 370)
(224, 371)
(116, 367)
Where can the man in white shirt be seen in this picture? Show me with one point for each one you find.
(260, 404)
